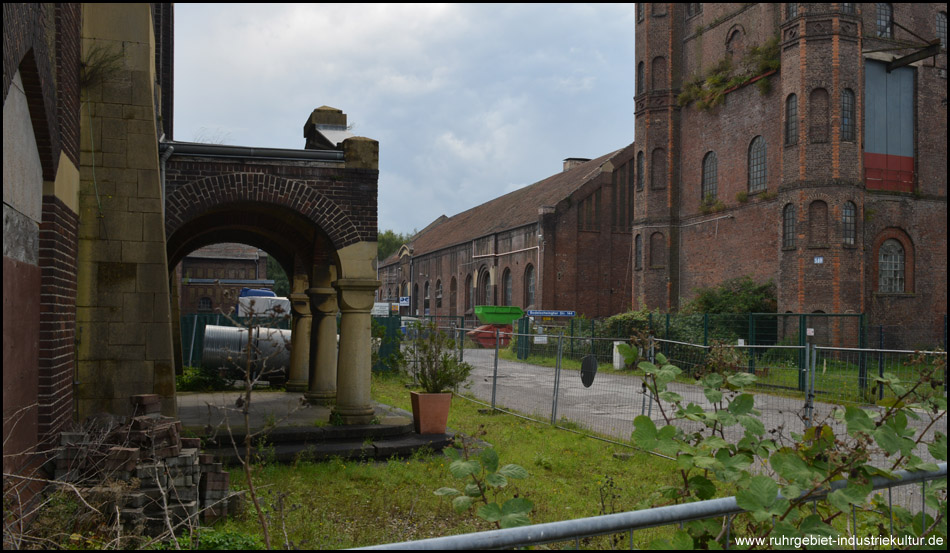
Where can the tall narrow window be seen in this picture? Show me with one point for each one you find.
(425, 305)
(792, 10)
(757, 167)
(438, 294)
(791, 120)
(890, 266)
(638, 253)
(639, 170)
(710, 177)
(640, 84)
(849, 224)
(639, 12)
(884, 20)
(529, 286)
(486, 289)
(788, 226)
(847, 116)
(942, 29)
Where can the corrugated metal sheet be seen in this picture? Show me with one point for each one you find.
(889, 127)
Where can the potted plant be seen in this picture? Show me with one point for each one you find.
(434, 364)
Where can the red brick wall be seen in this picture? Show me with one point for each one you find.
(821, 55)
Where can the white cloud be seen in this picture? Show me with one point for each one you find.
(465, 99)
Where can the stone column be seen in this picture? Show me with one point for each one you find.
(353, 403)
(322, 386)
(300, 343)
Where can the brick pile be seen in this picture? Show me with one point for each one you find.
(144, 468)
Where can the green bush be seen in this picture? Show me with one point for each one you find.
(200, 379)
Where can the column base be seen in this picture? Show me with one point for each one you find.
(354, 415)
(297, 385)
(320, 398)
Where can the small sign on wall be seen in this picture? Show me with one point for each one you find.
(819, 260)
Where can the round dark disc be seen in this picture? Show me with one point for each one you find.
(588, 369)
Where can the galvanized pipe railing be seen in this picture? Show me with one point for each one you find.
(568, 530)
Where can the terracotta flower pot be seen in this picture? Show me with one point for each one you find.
(430, 412)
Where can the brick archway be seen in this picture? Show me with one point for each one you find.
(230, 191)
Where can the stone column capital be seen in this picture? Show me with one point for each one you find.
(323, 300)
(356, 295)
(300, 304)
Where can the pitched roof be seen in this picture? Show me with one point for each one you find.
(506, 212)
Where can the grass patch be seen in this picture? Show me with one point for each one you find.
(365, 503)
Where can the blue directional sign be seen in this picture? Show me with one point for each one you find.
(545, 313)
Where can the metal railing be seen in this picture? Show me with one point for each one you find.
(631, 521)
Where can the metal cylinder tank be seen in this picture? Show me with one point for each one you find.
(225, 347)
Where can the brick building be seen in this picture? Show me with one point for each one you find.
(212, 277)
(803, 143)
(561, 243)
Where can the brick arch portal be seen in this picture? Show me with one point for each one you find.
(237, 192)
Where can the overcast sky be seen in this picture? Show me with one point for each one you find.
(468, 102)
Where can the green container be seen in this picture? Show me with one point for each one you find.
(498, 314)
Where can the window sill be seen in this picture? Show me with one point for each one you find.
(895, 295)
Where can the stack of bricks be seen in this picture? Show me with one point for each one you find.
(147, 470)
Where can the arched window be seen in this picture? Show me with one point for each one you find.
(818, 223)
(425, 305)
(757, 165)
(849, 225)
(788, 226)
(438, 294)
(791, 120)
(890, 267)
(735, 45)
(640, 77)
(415, 299)
(658, 169)
(638, 253)
(884, 20)
(847, 116)
(529, 286)
(818, 115)
(639, 170)
(710, 177)
(486, 295)
(506, 283)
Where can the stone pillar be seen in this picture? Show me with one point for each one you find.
(353, 403)
(322, 386)
(300, 343)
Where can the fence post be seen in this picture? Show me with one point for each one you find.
(751, 343)
(880, 360)
(557, 380)
(862, 357)
(591, 336)
(572, 338)
(809, 366)
(705, 329)
(667, 348)
(194, 328)
(494, 378)
(802, 353)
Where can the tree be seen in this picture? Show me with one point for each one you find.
(738, 295)
(276, 273)
(388, 242)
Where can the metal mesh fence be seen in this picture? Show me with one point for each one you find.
(591, 391)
